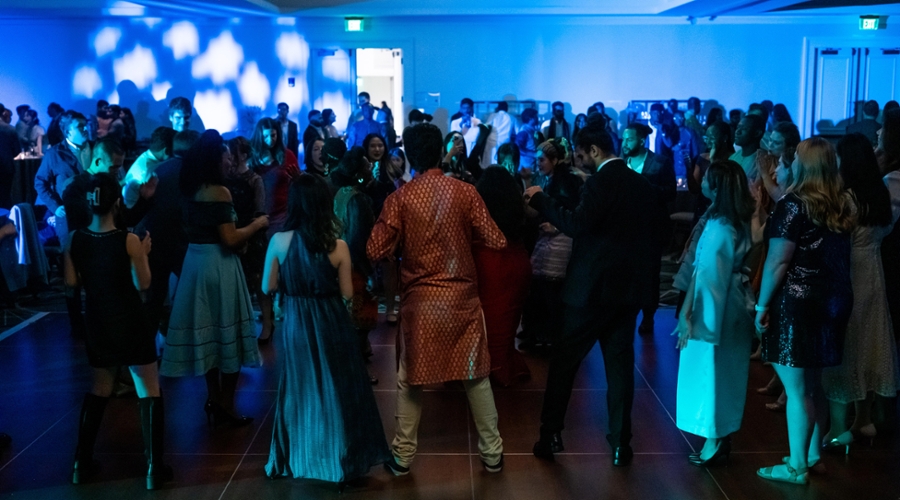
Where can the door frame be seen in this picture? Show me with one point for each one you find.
(808, 77)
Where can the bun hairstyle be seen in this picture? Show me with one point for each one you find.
(103, 193)
(556, 149)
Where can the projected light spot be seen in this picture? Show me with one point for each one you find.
(336, 69)
(337, 102)
(127, 9)
(295, 96)
(150, 22)
(217, 110)
(86, 82)
(139, 66)
(292, 51)
(113, 98)
(286, 21)
(254, 87)
(221, 62)
(106, 40)
(160, 90)
(183, 39)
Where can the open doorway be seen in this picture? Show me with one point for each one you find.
(380, 73)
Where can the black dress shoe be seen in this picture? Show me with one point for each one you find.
(622, 456)
(548, 445)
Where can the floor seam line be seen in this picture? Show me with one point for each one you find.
(21, 326)
(13, 459)
(246, 452)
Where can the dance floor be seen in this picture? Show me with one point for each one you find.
(43, 376)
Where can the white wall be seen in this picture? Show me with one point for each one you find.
(577, 60)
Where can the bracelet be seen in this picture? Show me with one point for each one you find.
(759, 308)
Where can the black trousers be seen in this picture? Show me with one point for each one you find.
(160, 270)
(613, 326)
(543, 311)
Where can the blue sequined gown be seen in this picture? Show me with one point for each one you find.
(810, 310)
(327, 425)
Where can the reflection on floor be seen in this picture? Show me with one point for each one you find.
(43, 375)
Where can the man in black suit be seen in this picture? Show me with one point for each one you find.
(289, 130)
(607, 281)
(868, 126)
(660, 172)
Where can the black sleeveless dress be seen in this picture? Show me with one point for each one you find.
(327, 424)
(118, 333)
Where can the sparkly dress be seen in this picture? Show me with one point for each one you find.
(810, 309)
(327, 424)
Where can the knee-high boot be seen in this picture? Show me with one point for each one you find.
(153, 425)
(91, 415)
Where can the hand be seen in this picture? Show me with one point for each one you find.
(530, 192)
(762, 321)
(148, 189)
(60, 212)
(262, 221)
(145, 243)
(683, 330)
(548, 228)
(292, 170)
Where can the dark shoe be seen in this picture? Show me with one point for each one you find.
(216, 415)
(267, 339)
(493, 469)
(548, 445)
(153, 426)
(92, 409)
(646, 327)
(394, 468)
(719, 457)
(622, 456)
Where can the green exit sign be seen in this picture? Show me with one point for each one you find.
(354, 24)
(869, 23)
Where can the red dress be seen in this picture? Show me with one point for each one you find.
(503, 280)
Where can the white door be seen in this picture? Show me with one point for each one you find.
(835, 88)
(882, 77)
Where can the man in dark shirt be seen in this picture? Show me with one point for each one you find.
(867, 126)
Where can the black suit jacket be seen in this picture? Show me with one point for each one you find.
(660, 172)
(293, 142)
(611, 231)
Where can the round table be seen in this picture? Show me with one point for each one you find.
(23, 180)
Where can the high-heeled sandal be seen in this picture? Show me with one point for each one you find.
(790, 475)
(848, 438)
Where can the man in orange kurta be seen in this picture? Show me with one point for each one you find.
(433, 221)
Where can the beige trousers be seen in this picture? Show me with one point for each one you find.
(409, 412)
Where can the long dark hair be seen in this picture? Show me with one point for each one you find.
(308, 155)
(368, 140)
(725, 145)
(733, 201)
(890, 139)
(311, 213)
(259, 149)
(352, 170)
(503, 199)
(202, 163)
(859, 171)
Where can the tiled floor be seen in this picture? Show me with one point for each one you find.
(43, 375)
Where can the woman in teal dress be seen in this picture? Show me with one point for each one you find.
(211, 331)
(327, 426)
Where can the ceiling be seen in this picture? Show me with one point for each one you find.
(380, 8)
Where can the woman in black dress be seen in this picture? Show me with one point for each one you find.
(111, 265)
(806, 296)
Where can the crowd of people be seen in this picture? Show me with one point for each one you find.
(502, 228)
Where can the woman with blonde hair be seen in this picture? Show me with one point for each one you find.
(806, 297)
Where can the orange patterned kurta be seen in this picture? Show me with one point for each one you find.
(434, 220)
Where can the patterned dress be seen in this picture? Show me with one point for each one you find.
(434, 221)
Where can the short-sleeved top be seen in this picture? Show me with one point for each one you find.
(821, 259)
(203, 218)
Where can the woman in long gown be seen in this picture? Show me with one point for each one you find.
(211, 331)
(327, 425)
(870, 351)
(715, 326)
(503, 275)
